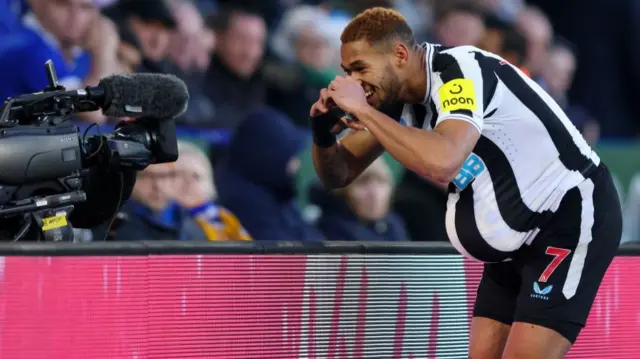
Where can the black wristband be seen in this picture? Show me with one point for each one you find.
(321, 128)
(322, 137)
(324, 140)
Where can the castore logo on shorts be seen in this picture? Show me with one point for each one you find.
(541, 293)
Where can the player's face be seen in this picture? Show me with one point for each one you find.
(374, 69)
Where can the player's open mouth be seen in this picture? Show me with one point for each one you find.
(368, 89)
(370, 93)
(372, 99)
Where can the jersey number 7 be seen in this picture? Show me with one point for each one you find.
(559, 255)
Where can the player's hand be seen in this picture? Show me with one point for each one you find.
(352, 123)
(347, 94)
(323, 105)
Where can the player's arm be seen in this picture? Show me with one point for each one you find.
(339, 162)
(436, 155)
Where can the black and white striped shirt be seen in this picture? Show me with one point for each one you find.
(528, 156)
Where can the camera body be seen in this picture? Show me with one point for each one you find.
(44, 157)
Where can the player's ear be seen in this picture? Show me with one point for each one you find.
(400, 54)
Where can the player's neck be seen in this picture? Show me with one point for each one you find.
(416, 84)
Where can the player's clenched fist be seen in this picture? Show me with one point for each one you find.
(324, 119)
(323, 105)
(347, 94)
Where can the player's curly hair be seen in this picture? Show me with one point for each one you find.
(378, 26)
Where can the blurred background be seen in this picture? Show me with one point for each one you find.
(254, 68)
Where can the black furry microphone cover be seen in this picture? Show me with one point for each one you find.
(145, 94)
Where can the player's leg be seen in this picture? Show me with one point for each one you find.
(531, 341)
(493, 310)
(488, 338)
(562, 271)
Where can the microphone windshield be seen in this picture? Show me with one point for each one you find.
(144, 94)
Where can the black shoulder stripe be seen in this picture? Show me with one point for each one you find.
(489, 78)
(449, 69)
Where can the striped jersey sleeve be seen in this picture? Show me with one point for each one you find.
(458, 91)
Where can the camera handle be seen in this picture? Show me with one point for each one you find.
(48, 225)
(46, 218)
(53, 224)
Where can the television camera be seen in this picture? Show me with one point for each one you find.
(44, 157)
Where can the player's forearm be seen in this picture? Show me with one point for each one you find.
(340, 164)
(332, 166)
(426, 153)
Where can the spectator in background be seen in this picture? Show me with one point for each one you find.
(537, 30)
(556, 78)
(459, 23)
(354, 7)
(303, 63)
(192, 43)
(151, 214)
(206, 7)
(82, 45)
(187, 15)
(557, 72)
(190, 48)
(10, 13)
(270, 10)
(502, 38)
(419, 15)
(257, 180)
(145, 25)
(233, 82)
(104, 3)
(360, 212)
(129, 58)
(607, 36)
(196, 192)
(422, 206)
(505, 10)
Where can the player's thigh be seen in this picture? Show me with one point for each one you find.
(562, 272)
(493, 310)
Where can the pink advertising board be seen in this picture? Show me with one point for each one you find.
(269, 306)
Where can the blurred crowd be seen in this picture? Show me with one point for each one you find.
(253, 69)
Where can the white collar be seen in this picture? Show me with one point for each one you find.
(30, 21)
(430, 51)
